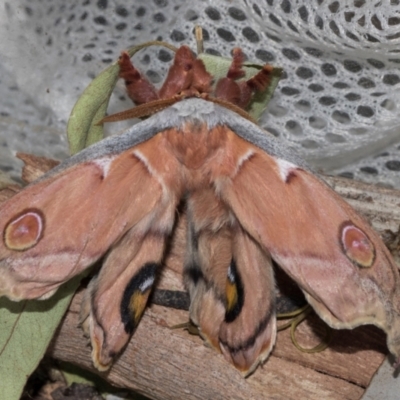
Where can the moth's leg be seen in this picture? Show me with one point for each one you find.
(139, 89)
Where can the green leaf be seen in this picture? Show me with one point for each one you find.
(91, 108)
(219, 66)
(26, 329)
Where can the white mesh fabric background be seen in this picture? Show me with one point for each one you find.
(337, 104)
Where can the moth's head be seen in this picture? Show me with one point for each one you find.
(226, 82)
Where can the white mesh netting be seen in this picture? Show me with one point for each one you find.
(337, 104)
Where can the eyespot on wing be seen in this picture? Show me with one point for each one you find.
(24, 231)
(357, 246)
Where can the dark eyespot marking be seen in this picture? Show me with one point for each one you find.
(135, 296)
(25, 230)
(234, 293)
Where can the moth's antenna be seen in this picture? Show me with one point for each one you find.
(198, 32)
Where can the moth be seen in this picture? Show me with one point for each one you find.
(248, 201)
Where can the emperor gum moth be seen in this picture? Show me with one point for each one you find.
(247, 200)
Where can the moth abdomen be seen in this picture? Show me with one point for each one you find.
(135, 296)
(192, 268)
